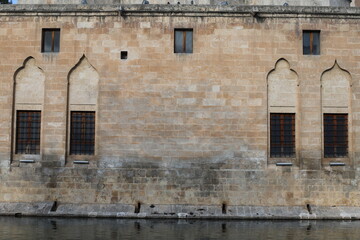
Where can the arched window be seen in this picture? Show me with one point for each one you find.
(82, 107)
(336, 106)
(282, 109)
(28, 105)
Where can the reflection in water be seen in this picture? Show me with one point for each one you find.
(137, 226)
(53, 223)
(223, 227)
(72, 228)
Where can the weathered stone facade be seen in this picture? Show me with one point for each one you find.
(333, 3)
(184, 129)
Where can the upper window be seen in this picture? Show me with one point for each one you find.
(183, 41)
(282, 134)
(335, 135)
(50, 40)
(28, 132)
(311, 42)
(82, 136)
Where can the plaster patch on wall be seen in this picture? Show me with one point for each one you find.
(85, 25)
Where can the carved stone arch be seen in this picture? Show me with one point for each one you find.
(281, 63)
(282, 93)
(83, 57)
(83, 81)
(336, 105)
(28, 97)
(282, 82)
(335, 87)
(30, 58)
(83, 91)
(336, 65)
(29, 82)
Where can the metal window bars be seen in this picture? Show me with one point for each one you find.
(28, 124)
(282, 135)
(335, 135)
(82, 136)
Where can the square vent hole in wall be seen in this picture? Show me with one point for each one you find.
(124, 55)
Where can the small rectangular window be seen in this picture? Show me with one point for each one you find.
(311, 42)
(282, 135)
(183, 41)
(50, 40)
(335, 135)
(82, 134)
(28, 132)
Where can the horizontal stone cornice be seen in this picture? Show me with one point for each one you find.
(153, 10)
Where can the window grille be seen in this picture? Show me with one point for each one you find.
(335, 135)
(282, 135)
(28, 125)
(82, 137)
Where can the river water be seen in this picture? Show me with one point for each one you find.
(74, 228)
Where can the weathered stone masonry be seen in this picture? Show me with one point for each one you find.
(178, 131)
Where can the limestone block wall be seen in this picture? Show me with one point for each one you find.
(334, 3)
(178, 128)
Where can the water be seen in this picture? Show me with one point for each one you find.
(71, 228)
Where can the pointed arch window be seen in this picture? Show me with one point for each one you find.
(336, 115)
(27, 111)
(282, 109)
(82, 109)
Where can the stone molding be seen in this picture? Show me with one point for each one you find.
(178, 10)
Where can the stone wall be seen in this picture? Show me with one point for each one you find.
(178, 128)
(334, 3)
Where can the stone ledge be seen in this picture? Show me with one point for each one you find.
(174, 10)
(179, 211)
(38, 208)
